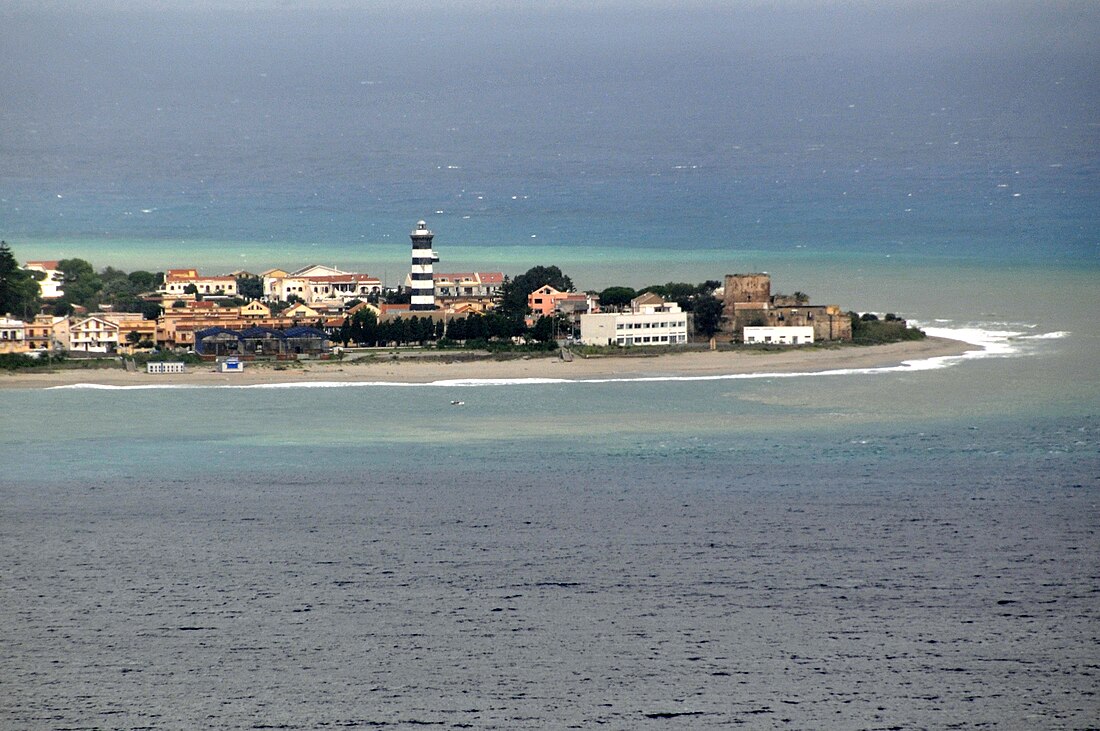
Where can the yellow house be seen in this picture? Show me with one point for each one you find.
(300, 311)
(48, 332)
(364, 306)
(255, 309)
(13, 336)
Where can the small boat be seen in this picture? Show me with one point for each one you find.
(458, 403)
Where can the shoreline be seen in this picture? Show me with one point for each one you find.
(627, 367)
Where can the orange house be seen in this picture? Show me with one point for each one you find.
(544, 300)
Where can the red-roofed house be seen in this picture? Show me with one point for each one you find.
(319, 284)
(472, 285)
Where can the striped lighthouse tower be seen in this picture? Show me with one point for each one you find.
(423, 288)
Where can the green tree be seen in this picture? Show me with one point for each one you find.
(503, 327)
(617, 296)
(682, 293)
(143, 281)
(19, 289)
(119, 290)
(869, 330)
(456, 328)
(250, 287)
(513, 293)
(707, 314)
(545, 329)
(150, 310)
(362, 328)
(424, 330)
(80, 282)
(397, 297)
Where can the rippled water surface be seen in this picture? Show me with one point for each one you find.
(867, 576)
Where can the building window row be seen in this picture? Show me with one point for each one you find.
(650, 339)
(646, 325)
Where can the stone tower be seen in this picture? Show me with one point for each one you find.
(423, 288)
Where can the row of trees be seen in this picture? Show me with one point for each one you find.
(363, 328)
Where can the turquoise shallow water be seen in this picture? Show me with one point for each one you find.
(735, 552)
(898, 548)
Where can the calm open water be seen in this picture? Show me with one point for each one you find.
(907, 549)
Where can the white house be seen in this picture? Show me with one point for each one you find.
(650, 321)
(316, 284)
(94, 335)
(50, 287)
(455, 285)
(177, 281)
(793, 335)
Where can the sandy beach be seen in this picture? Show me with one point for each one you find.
(443, 367)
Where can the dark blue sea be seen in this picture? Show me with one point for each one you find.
(911, 547)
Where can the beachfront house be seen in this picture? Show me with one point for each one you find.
(793, 335)
(94, 335)
(650, 321)
(48, 333)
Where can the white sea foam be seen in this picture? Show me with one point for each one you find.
(106, 387)
(1058, 335)
(988, 343)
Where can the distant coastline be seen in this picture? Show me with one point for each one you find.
(703, 364)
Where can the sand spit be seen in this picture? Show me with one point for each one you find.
(442, 368)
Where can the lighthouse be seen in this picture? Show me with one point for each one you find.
(423, 288)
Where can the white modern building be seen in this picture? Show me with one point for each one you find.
(650, 321)
(793, 335)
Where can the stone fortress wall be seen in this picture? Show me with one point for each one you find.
(748, 301)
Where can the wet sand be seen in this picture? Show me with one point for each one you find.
(443, 367)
